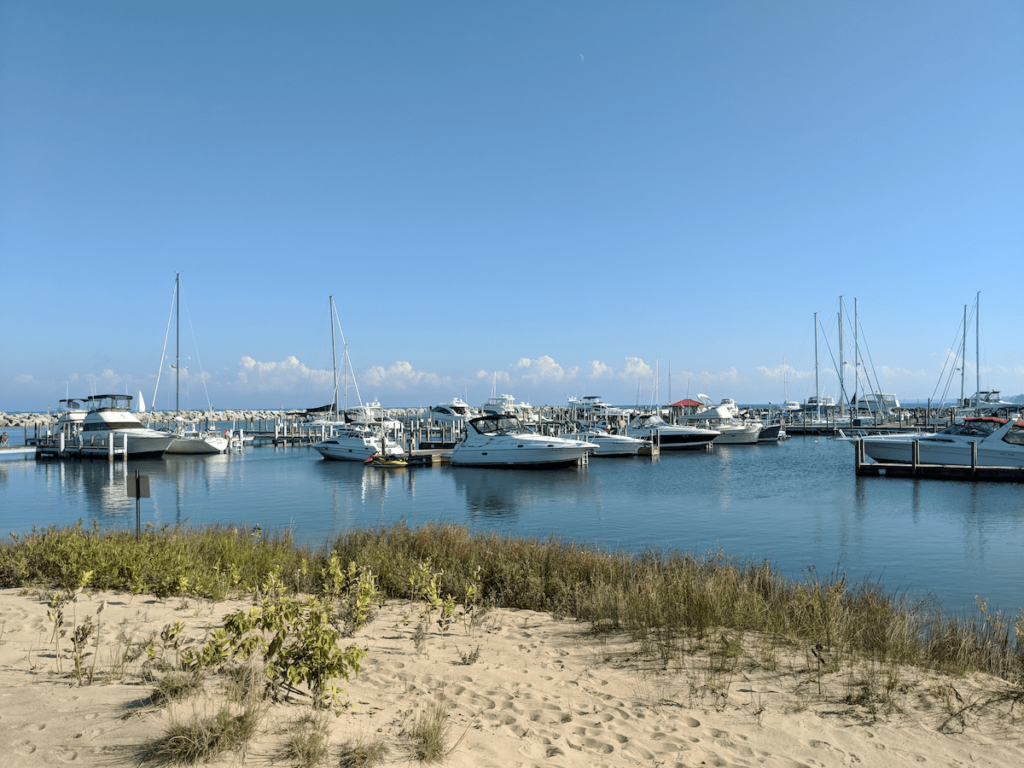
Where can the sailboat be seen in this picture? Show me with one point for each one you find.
(192, 440)
(352, 439)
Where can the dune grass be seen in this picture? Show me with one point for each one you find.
(657, 598)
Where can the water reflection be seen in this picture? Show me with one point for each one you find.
(504, 493)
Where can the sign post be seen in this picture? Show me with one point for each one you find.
(138, 488)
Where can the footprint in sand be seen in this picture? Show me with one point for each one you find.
(24, 747)
(33, 726)
(692, 722)
(67, 755)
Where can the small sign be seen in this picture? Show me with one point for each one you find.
(138, 487)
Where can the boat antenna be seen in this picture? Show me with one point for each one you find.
(977, 349)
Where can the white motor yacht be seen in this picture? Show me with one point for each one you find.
(609, 444)
(195, 441)
(497, 440)
(71, 416)
(449, 413)
(724, 418)
(357, 442)
(672, 437)
(110, 418)
(1000, 444)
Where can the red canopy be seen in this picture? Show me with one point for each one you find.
(687, 404)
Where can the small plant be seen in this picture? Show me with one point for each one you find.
(200, 739)
(362, 753)
(176, 686)
(430, 736)
(307, 741)
(303, 647)
(470, 658)
(79, 638)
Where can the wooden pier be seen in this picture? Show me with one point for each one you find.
(915, 469)
(59, 448)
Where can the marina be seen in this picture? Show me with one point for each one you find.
(796, 503)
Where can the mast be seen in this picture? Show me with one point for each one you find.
(856, 356)
(177, 345)
(817, 393)
(977, 349)
(963, 359)
(334, 353)
(842, 361)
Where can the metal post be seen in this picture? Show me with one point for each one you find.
(974, 457)
(915, 455)
(138, 514)
(124, 446)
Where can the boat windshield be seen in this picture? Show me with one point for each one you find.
(496, 424)
(1016, 434)
(975, 427)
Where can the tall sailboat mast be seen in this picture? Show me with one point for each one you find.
(977, 349)
(817, 392)
(963, 359)
(334, 353)
(177, 344)
(842, 362)
(856, 354)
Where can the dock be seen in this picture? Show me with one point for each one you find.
(915, 469)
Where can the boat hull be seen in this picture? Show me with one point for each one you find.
(543, 455)
(198, 445)
(936, 452)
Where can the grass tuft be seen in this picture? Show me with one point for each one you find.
(307, 741)
(200, 739)
(362, 753)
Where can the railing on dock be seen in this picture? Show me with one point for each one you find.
(915, 469)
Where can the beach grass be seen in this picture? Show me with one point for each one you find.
(667, 601)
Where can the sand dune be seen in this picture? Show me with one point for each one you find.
(542, 692)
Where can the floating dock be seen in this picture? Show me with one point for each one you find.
(915, 469)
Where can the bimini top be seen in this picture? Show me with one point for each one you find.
(118, 402)
(496, 424)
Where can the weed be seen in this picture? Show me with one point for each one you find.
(470, 658)
(176, 686)
(200, 739)
(430, 735)
(307, 741)
(363, 753)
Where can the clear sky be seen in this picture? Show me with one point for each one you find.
(554, 198)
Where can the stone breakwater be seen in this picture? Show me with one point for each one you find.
(21, 420)
(158, 417)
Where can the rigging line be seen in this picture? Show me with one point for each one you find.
(842, 390)
(348, 360)
(202, 373)
(878, 384)
(163, 353)
(956, 356)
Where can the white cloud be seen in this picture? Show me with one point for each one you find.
(599, 370)
(636, 368)
(282, 375)
(24, 379)
(790, 373)
(545, 369)
(400, 376)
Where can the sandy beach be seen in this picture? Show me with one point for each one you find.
(541, 692)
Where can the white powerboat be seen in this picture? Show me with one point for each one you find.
(1000, 444)
(449, 413)
(672, 437)
(608, 444)
(358, 442)
(506, 405)
(71, 416)
(195, 441)
(724, 418)
(110, 418)
(498, 440)
(592, 409)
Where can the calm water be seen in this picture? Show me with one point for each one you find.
(797, 504)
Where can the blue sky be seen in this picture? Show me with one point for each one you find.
(559, 197)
